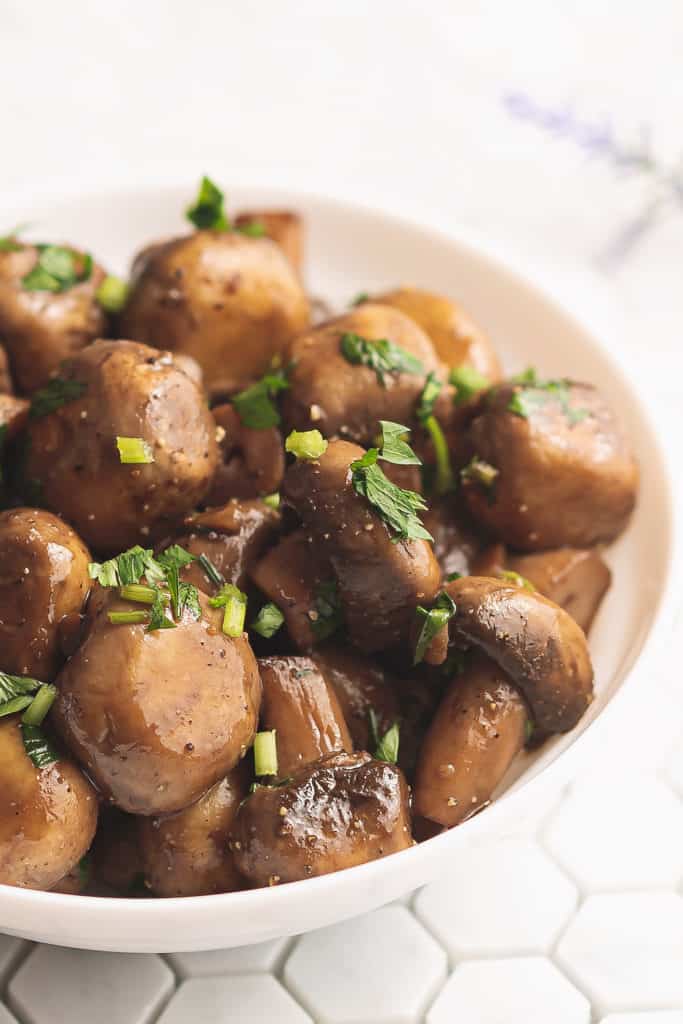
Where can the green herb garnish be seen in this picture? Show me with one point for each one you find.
(306, 444)
(57, 269)
(255, 406)
(40, 705)
(128, 567)
(387, 747)
(268, 621)
(360, 298)
(531, 394)
(394, 445)
(134, 451)
(444, 480)
(467, 382)
(112, 294)
(326, 615)
(138, 593)
(519, 581)
(397, 507)
(272, 500)
(126, 571)
(54, 395)
(382, 356)
(207, 211)
(265, 753)
(127, 618)
(453, 576)
(252, 229)
(431, 622)
(234, 603)
(479, 472)
(9, 242)
(212, 573)
(11, 707)
(37, 746)
(529, 729)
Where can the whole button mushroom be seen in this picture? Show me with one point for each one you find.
(549, 466)
(43, 578)
(251, 462)
(112, 390)
(44, 321)
(47, 815)
(159, 717)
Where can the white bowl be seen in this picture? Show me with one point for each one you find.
(351, 249)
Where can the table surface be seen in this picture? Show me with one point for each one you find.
(523, 124)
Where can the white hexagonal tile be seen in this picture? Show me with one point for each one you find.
(5, 1016)
(619, 833)
(56, 985)
(506, 896)
(10, 951)
(247, 999)
(264, 957)
(673, 769)
(656, 1017)
(625, 950)
(382, 967)
(524, 990)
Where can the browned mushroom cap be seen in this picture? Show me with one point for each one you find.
(127, 390)
(157, 717)
(297, 578)
(336, 396)
(187, 854)
(13, 416)
(576, 579)
(380, 582)
(39, 329)
(533, 640)
(251, 462)
(361, 686)
(43, 577)
(284, 227)
(303, 709)
(230, 301)
(233, 537)
(455, 544)
(47, 815)
(6, 387)
(457, 339)
(479, 727)
(115, 856)
(344, 810)
(565, 474)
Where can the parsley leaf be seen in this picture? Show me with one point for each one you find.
(432, 622)
(326, 615)
(467, 382)
(54, 395)
(394, 447)
(430, 393)
(360, 298)
(57, 269)
(268, 620)
(382, 356)
(397, 507)
(157, 617)
(9, 243)
(207, 211)
(255, 406)
(387, 748)
(128, 567)
(531, 394)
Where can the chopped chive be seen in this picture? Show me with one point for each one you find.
(234, 602)
(306, 444)
(480, 472)
(138, 592)
(112, 294)
(37, 746)
(272, 500)
(40, 705)
(134, 451)
(265, 753)
(127, 618)
(212, 573)
(519, 581)
(268, 620)
(444, 480)
(467, 382)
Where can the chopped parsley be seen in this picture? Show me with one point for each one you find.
(207, 211)
(268, 621)
(326, 615)
(255, 406)
(531, 394)
(394, 446)
(444, 480)
(234, 603)
(397, 507)
(306, 444)
(57, 269)
(387, 746)
(432, 621)
(382, 356)
(56, 393)
(10, 243)
(519, 581)
(479, 472)
(467, 382)
(128, 567)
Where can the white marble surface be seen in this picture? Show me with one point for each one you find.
(579, 917)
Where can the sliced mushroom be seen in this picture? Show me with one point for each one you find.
(576, 579)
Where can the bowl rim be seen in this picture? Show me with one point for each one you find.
(284, 899)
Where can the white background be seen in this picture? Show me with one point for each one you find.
(396, 104)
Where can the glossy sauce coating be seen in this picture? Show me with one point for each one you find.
(157, 718)
(534, 641)
(337, 397)
(39, 329)
(251, 462)
(130, 391)
(47, 816)
(561, 480)
(576, 579)
(380, 582)
(229, 301)
(304, 711)
(344, 810)
(187, 854)
(360, 686)
(43, 578)
(478, 729)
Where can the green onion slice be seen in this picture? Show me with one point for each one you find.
(134, 451)
(265, 753)
(306, 444)
(40, 705)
